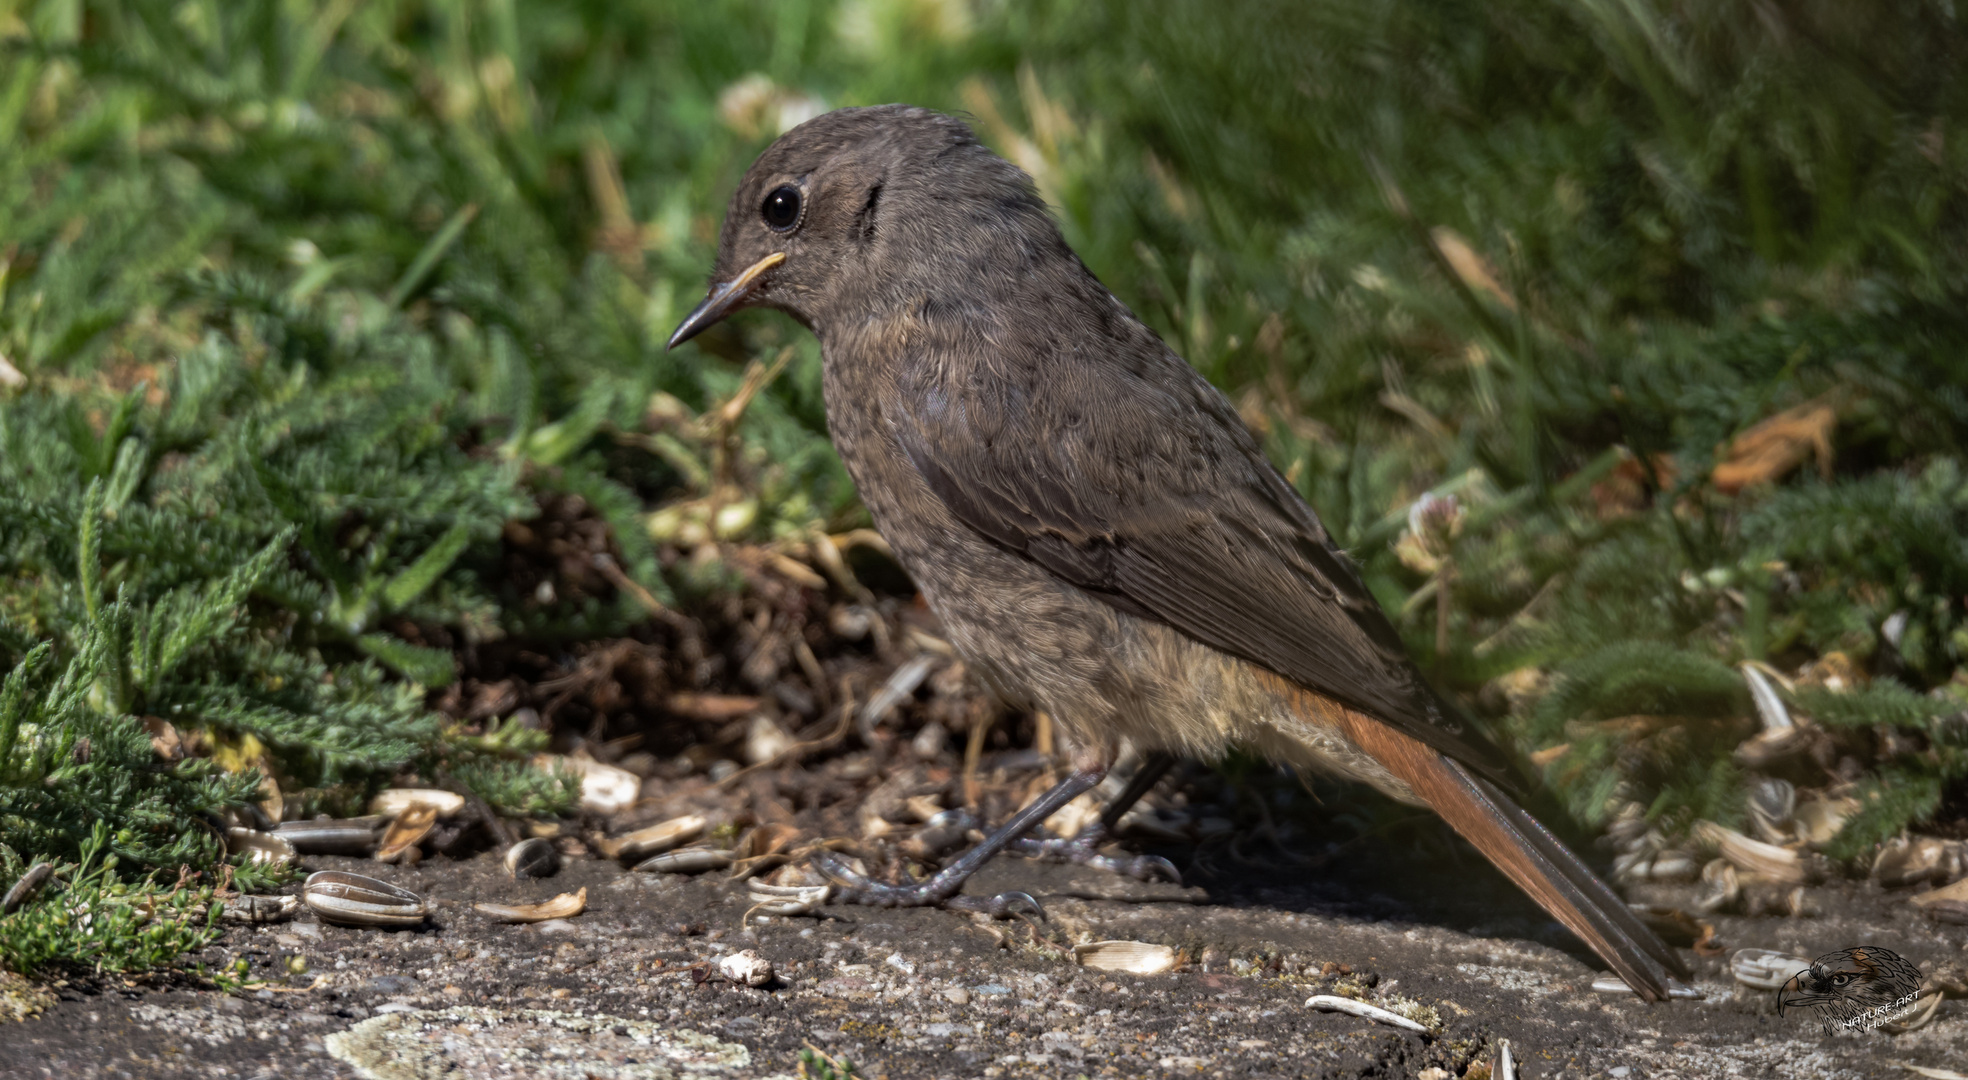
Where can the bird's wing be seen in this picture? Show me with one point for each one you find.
(1165, 508)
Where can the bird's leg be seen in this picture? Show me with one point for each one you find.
(1084, 849)
(853, 888)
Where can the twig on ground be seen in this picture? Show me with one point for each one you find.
(798, 751)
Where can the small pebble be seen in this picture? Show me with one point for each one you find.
(957, 995)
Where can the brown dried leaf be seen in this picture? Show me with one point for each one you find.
(1624, 490)
(1770, 450)
(1470, 265)
(164, 740)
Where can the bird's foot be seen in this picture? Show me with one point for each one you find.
(853, 887)
(1084, 850)
(943, 887)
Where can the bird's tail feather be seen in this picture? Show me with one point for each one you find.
(1527, 852)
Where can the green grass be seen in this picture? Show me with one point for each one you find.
(308, 301)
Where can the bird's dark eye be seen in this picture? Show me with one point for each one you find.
(782, 208)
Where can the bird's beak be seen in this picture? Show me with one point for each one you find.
(724, 299)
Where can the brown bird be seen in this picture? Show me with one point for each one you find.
(1097, 529)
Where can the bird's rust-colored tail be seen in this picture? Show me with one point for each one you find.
(1523, 849)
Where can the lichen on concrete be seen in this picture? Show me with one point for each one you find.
(470, 1043)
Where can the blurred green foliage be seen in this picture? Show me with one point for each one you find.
(301, 303)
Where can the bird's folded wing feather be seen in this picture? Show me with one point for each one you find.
(1168, 511)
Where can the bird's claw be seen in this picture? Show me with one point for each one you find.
(1150, 867)
(1002, 906)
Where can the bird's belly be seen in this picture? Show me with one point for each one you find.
(1105, 675)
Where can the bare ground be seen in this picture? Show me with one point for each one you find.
(932, 993)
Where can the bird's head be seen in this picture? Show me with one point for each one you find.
(859, 204)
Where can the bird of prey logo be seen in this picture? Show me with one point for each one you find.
(1858, 988)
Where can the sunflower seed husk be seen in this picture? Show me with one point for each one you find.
(746, 968)
(605, 789)
(1629, 827)
(694, 859)
(1766, 748)
(771, 838)
(930, 740)
(1952, 912)
(165, 741)
(923, 807)
(1817, 821)
(394, 801)
(1948, 978)
(787, 899)
(1765, 969)
(536, 857)
(1769, 706)
(260, 909)
(1764, 897)
(1933, 1073)
(765, 740)
(260, 847)
(1772, 809)
(1613, 984)
(1919, 860)
(1720, 887)
(661, 836)
(1656, 866)
(27, 887)
(358, 900)
(332, 836)
(901, 684)
(1957, 892)
(1334, 1003)
(406, 832)
(564, 906)
(1135, 957)
(1768, 860)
